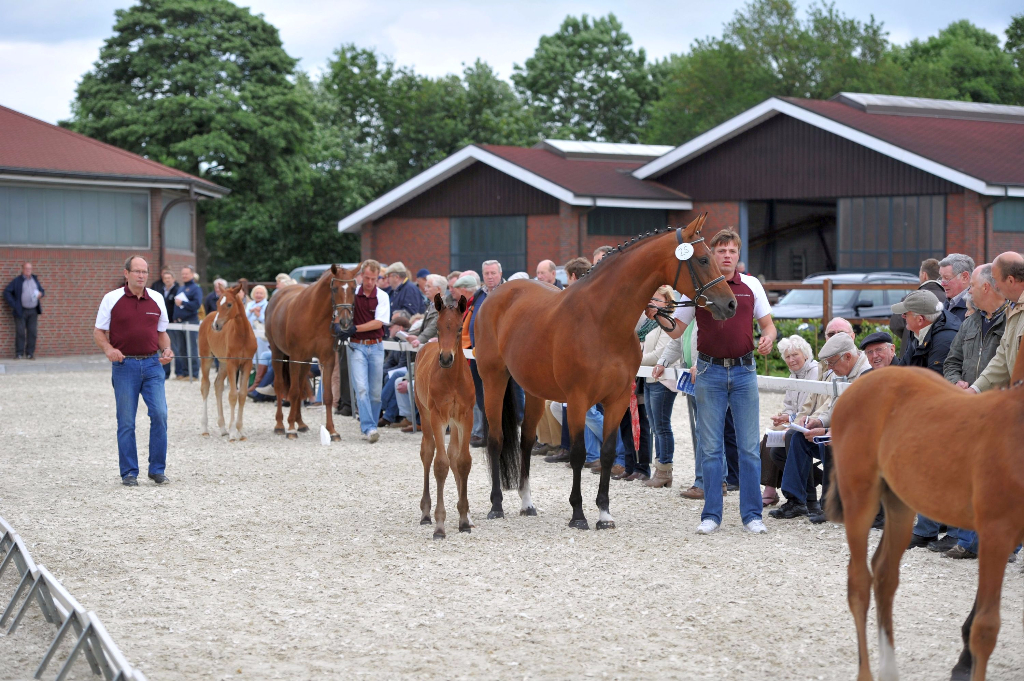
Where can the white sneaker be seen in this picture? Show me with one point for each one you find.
(755, 526)
(707, 526)
(373, 436)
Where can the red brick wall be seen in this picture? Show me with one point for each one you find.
(721, 214)
(965, 225)
(555, 237)
(75, 280)
(417, 242)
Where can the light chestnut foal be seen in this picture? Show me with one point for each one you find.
(228, 336)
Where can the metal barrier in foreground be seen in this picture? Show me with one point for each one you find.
(62, 610)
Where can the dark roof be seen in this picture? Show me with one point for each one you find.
(989, 151)
(611, 179)
(32, 146)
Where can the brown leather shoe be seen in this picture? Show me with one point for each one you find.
(618, 470)
(593, 465)
(662, 476)
(637, 475)
(409, 429)
(401, 424)
(692, 493)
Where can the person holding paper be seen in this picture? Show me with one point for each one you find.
(841, 356)
(799, 357)
(186, 311)
(23, 295)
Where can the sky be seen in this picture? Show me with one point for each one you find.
(47, 45)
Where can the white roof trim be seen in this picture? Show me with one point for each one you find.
(465, 157)
(31, 178)
(771, 107)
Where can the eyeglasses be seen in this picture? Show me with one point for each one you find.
(829, 334)
(138, 271)
(830, 362)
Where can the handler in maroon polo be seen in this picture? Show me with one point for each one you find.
(131, 329)
(727, 379)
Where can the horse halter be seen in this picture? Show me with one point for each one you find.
(699, 289)
(343, 306)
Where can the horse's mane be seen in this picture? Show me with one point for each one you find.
(619, 249)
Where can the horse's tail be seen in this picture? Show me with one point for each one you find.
(509, 457)
(833, 502)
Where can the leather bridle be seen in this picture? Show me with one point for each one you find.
(340, 335)
(699, 289)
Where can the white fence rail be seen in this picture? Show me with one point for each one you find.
(62, 610)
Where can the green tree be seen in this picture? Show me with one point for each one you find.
(962, 62)
(587, 82)
(767, 51)
(1015, 41)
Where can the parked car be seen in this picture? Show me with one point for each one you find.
(807, 303)
(310, 273)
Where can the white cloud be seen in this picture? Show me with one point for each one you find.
(39, 79)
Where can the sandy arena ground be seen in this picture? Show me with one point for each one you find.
(278, 559)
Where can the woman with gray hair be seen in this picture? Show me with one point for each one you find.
(799, 357)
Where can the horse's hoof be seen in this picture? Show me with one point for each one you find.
(231, 439)
(606, 524)
(335, 437)
(278, 431)
(495, 513)
(303, 429)
(580, 524)
(466, 528)
(243, 438)
(439, 535)
(528, 511)
(961, 673)
(206, 435)
(426, 520)
(293, 436)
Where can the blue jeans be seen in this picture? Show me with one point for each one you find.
(659, 401)
(593, 437)
(926, 527)
(389, 397)
(719, 389)
(729, 440)
(968, 539)
(131, 378)
(367, 376)
(182, 350)
(797, 475)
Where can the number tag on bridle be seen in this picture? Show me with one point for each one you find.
(684, 251)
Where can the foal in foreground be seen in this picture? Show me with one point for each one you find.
(444, 398)
(968, 472)
(228, 336)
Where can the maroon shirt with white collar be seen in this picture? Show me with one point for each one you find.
(134, 322)
(733, 337)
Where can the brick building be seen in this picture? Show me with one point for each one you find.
(858, 182)
(76, 208)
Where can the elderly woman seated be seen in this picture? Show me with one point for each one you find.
(799, 357)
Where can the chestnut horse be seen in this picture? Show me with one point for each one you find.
(579, 346)
(299, 328)
(228, 336)
(909, 438)
(445, 397)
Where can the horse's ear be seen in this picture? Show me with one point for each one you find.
(438, 302)
(462, 304)
(334, 269)
(694, 226)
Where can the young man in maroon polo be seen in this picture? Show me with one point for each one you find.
(727, 379)
(131, 329)
(372, 311)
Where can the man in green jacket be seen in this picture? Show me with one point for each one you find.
(978, 339)
(1008, 271)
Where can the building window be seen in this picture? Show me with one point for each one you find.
(178, 224)
(891, 232)
(625, 221)
(31, 216)
(501, 238)
(1008, 216)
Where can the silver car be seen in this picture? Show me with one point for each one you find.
(806, 303)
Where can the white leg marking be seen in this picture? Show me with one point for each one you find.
(605, 516)
(886, 658)
(524, 494)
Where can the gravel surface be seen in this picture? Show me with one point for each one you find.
(277, 559)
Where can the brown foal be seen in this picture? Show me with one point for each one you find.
(444, 398)
(907, 437)
(579, 346)
(299, 328)
(228, 336)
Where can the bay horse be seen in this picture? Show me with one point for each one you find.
(579, 346)
(228, 336)
(445, 396)
(964, 468)
(299, 328)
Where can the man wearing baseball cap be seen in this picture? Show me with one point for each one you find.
(879, 349)
(841, 356)
(933, 328)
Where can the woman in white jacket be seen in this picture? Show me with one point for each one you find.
(658, 398)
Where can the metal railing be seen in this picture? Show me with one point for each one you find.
(62, 610)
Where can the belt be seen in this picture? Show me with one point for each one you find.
(728, 361)
(369, 341)
(140, 356)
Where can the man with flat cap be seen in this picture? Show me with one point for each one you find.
(847, 363)
(933, 328)
(879, 349)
